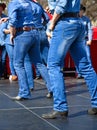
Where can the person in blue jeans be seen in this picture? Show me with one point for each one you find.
(68, 34)
(88, 35)
(5, 36)
(40, 20)
(2, 45)
(25, 37)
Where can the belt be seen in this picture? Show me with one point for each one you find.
(25, 28)
(70, 14)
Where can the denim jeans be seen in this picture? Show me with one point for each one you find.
(44, 47)
(29, 72)
(27, 42)
(27, 64)
(87, 47)
(10, 50)
(69, 35)
(2, 59)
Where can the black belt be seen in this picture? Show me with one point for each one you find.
(25, 28)
(70, 14)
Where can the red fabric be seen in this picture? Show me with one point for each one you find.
(69, 64)
(94, 33)
(93, 49)
(7, 66)
(50, 15)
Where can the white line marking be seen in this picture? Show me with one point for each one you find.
(32, 108)
(79, 95)
(32, 112)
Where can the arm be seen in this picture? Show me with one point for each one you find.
(6, 31)
(12, 33)
(89, 33)
(54, 20)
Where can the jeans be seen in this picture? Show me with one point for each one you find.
(2, 60)
(87, 47)
(10, 50)
(68, 35)
(27, 42)
(27, 64)
(29, 72)
(44, 47)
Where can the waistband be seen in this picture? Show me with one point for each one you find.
(25, 28)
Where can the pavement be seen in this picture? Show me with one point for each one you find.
(26, 115)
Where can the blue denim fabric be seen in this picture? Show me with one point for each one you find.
(29, 72)
(88, 36)
(44, 48)
(10, 49)
(2, 59)
(3, 51)
(52, 4)
(25, 42)
(27, 64)
(3, 15)
(39, 15)
(36, 11)
(87, 48)
(60, 6)
(29, 42)
(69, 35)
(88, 27)
(25, 11)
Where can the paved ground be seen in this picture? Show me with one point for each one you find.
(26, 115)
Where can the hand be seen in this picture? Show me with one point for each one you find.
(12, 39)
(51, 26)
(89, 42)
(49, 33)
(3, 20)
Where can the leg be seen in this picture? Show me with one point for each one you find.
(10, 50)
(34, 54)
(84, 65)
(3, 60)
(29, 72)
(22, 45)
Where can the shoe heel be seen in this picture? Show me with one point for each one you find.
(64, 114)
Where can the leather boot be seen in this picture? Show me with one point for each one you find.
(55, 114)
(92, 111)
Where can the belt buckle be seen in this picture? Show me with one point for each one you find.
(26, 28)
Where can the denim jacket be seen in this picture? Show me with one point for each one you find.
(2, 40)
(63, 6)
(20, 13)
(29, 13)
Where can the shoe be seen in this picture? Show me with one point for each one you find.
(79, 77)
(18, 98)
(13, 78)
(49, 95)
(31, 89)
(92, 111)
(55, 114)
